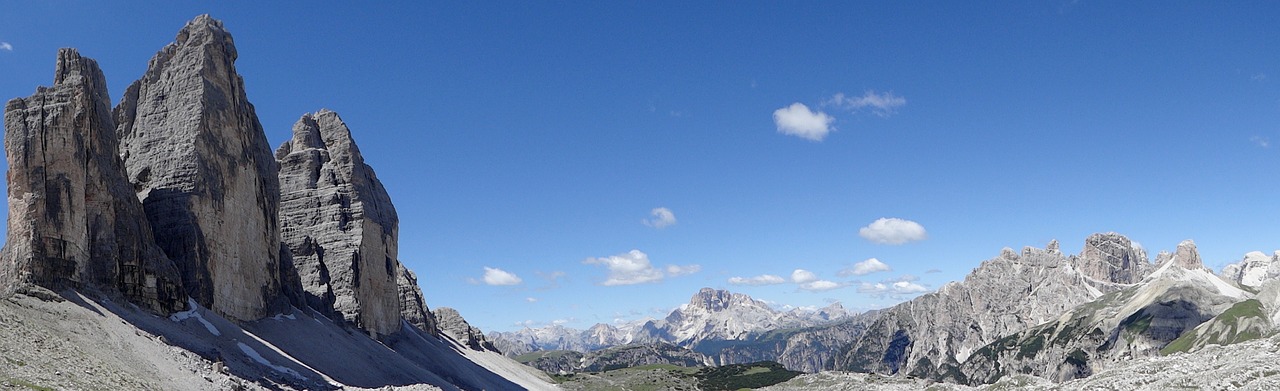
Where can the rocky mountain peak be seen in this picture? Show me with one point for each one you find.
(1255, 269)
(340, 226)
(1114, 258)
(1187, 257)
(711, 299)
(74, 221)
(1053, 247)
(453, 325)
(198, 158)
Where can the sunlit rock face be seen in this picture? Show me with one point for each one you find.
(74, 221)
(199, 161)
(341, 228)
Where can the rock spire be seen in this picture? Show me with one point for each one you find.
(199, 161)
(74, 221)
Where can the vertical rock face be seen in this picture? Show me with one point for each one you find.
(1255, 269)
(1114, 258)
(200, 163)
(74, 221)
(413, 308)
(453, 325)
(340, 225)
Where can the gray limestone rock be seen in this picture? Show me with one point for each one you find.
(454, 326)
(341, 228)
(74, 221)
(199, 161)
(1111, 257)
(932, 334)
(412, 307)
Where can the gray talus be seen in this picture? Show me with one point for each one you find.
(74, 221)
(199, 161)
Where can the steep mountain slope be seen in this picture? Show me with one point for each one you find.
(1006, 294)
(1134, 322)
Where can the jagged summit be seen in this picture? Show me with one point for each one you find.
(341, 228)
(1113, 257)
(73, 219)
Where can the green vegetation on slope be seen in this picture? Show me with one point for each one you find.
(737, 376)
(1233, 321)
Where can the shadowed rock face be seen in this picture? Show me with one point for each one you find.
(199, 161)
(341, 228)
(74, 221)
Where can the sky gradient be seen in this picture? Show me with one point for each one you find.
(582, 162)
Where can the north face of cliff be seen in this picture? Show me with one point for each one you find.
(199, 161)
(74, 221)
(341, 228)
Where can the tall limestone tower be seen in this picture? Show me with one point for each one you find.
(199, 161)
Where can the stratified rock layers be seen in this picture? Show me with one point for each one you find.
(74, 221)
(199, 161)
(341, 228)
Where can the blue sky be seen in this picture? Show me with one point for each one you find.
(534, 140)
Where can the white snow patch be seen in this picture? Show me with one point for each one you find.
(253, 354)
(194, 312)
(1223, 287)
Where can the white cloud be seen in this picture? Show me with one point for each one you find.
(797, 120)
(871, 265)
(1261, 141)
(934, 270)
(893, 231)
(662, 218)
(819, 285)
(905, 287)
(531, 299)
(496, 276)
(676, 271)
(898, 288)
(633, 267)
(801, 276)
(883, 105)
(764, 279)
(6, 46)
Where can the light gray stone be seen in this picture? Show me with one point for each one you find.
(340, 226)
(74, 221)
(199, 161)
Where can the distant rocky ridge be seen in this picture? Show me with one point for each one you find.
(711, 318)
(173, 202)
(616, 357)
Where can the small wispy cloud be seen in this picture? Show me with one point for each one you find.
(1260, 141)
(677, 270)
(1258, 77)
(6, 46)
(498, 277)
(763, 279)
(871, 265)
(531, 299)
(899, 288)
(798, 120)
(633, 267)
(660, 218)
(820, 285)
(882, 104)
(893, 230)
(934, 270)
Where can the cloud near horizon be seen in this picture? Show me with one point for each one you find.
(893, 231)
(798, 120)
(871, 265)
(633, 267)
(498, 277)
(661, 218)
(763, 279)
